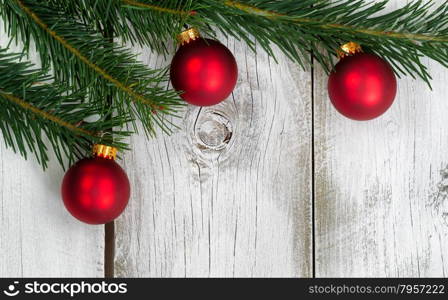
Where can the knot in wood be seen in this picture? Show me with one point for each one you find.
(213, 130)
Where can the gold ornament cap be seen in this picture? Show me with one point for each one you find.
(104, 151)
(188, 35)
(349, 49)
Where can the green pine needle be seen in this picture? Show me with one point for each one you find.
(35, 111)
(75, 40)
(85, 59)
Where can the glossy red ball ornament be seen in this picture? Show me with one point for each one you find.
(96, 190)
(362, 86)
(203, 70)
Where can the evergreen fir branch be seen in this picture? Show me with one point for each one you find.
(158, 8)
(318, 27)
(276, 16)
(130, 19)
(84, 58)
(33, 113)
(45, 115)
(402, 36)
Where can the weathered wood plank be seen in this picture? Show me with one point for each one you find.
(381, 186)
(229, 193)
(38, 237)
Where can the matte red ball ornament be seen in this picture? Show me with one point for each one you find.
(362, 86)
(204, 70)
(96, 190)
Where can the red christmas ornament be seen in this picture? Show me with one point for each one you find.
(203, 69)
(96, 190)
(362, 86)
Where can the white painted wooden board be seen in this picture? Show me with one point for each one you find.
(229, 193)
(38, 237)
(381, 186)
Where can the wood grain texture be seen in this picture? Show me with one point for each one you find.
(229, 193)
(38, 237)
(381, 186)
